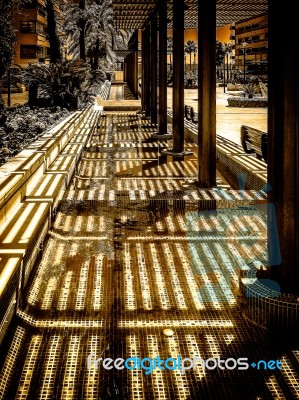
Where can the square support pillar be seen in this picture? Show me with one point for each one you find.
(207, 93)
(178, 93)
(178, 76)
(146, 87)
(162, 115)
(283, 141)
(154, 71)
(163, 67)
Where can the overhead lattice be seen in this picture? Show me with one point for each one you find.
(134, 14)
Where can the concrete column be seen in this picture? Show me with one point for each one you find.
(178, 95)
(283, 142)
(143, 61)
(206, 93)
(136, 72)
(131, 72)
(125, 64)
(147, 76)
(153, 71)
(178, 76)
(162, 115)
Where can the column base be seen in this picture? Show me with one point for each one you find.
(218, 186)
(171, 152)
(161, 136)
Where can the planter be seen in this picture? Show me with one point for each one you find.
(259, 102)
(232, 87)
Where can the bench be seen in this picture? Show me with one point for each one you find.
(190, 114)
(254, 141)
(231, 158)
(194, 117)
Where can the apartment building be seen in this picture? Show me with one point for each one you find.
(251, 44)
(32, 42)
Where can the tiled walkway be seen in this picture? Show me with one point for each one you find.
(130, 255)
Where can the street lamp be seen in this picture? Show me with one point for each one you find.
(227, 66)
(226, 51)
(224, 73)
(244, 55)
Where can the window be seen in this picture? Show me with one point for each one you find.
(255, 38)
(41, 28)
(240, 30)
(40, 52)
(28, 26)
(28, 51)
(32, 51)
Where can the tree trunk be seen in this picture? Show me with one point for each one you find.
(8, 88)
(95, 64)
(82, 24)
(32, 95)
(1, 105)
(55, 49)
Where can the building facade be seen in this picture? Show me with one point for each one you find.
(32, 43)
(251, 37)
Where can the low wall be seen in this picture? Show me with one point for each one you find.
(260, 102)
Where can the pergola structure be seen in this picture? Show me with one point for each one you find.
(157, 16)
(136, 14)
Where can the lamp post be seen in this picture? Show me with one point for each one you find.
(224, 73)
(226, 51)
(244, 55)
(227, 66)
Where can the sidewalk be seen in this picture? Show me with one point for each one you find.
(15, 98)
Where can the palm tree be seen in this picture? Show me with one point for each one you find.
(75, 27)
(92, 33)
(190, 48)
(67, 84)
